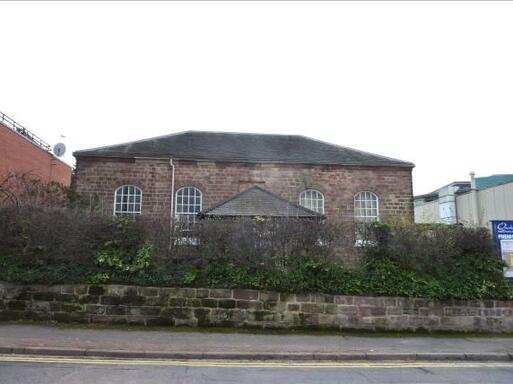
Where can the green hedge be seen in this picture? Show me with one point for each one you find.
(379, 277)
(436, 262)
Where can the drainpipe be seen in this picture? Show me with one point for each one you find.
(171, 216)
(475, 204)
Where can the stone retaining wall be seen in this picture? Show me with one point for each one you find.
(247, 308)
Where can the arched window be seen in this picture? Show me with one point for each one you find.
(312, 199)
(366, 206)
(127, 200)
(188, 205)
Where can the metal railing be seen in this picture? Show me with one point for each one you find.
(10, 123)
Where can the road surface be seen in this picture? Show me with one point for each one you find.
(19, 369)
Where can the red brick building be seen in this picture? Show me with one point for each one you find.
(22, 152)
(211, 173)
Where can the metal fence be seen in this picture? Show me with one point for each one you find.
(10, 123)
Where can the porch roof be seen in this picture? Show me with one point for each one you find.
(257, 201)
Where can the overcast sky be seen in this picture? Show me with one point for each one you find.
(427, 82)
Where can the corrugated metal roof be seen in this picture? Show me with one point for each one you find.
(243, 147)
(492, 181)
(257, 201)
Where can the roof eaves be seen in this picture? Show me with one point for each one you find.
(426, 195)
(238, 160)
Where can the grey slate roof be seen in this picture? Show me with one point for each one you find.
(257, 201)
(243, 147)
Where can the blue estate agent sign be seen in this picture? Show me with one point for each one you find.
(503, 237)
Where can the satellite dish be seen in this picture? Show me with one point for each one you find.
(59, 149)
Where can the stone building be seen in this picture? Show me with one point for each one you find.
(180, 176)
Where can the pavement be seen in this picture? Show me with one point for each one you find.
(23, 339)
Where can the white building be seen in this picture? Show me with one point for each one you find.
(472, 203)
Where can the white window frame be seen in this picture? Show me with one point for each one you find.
(362, 220)
(365, 202)
(178, 215)
(311, 190)
(131, 192)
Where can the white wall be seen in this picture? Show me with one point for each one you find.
(464, 209)
(494, 203)
(427, 212)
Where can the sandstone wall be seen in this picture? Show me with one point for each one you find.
(247, 308)
(219, 181)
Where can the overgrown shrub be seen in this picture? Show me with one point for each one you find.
(434, 249)
(263, 243)
(42, 239)
(127, 255)
(72, 245)
(447, 260)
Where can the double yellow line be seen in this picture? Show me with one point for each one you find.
(249, 364)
